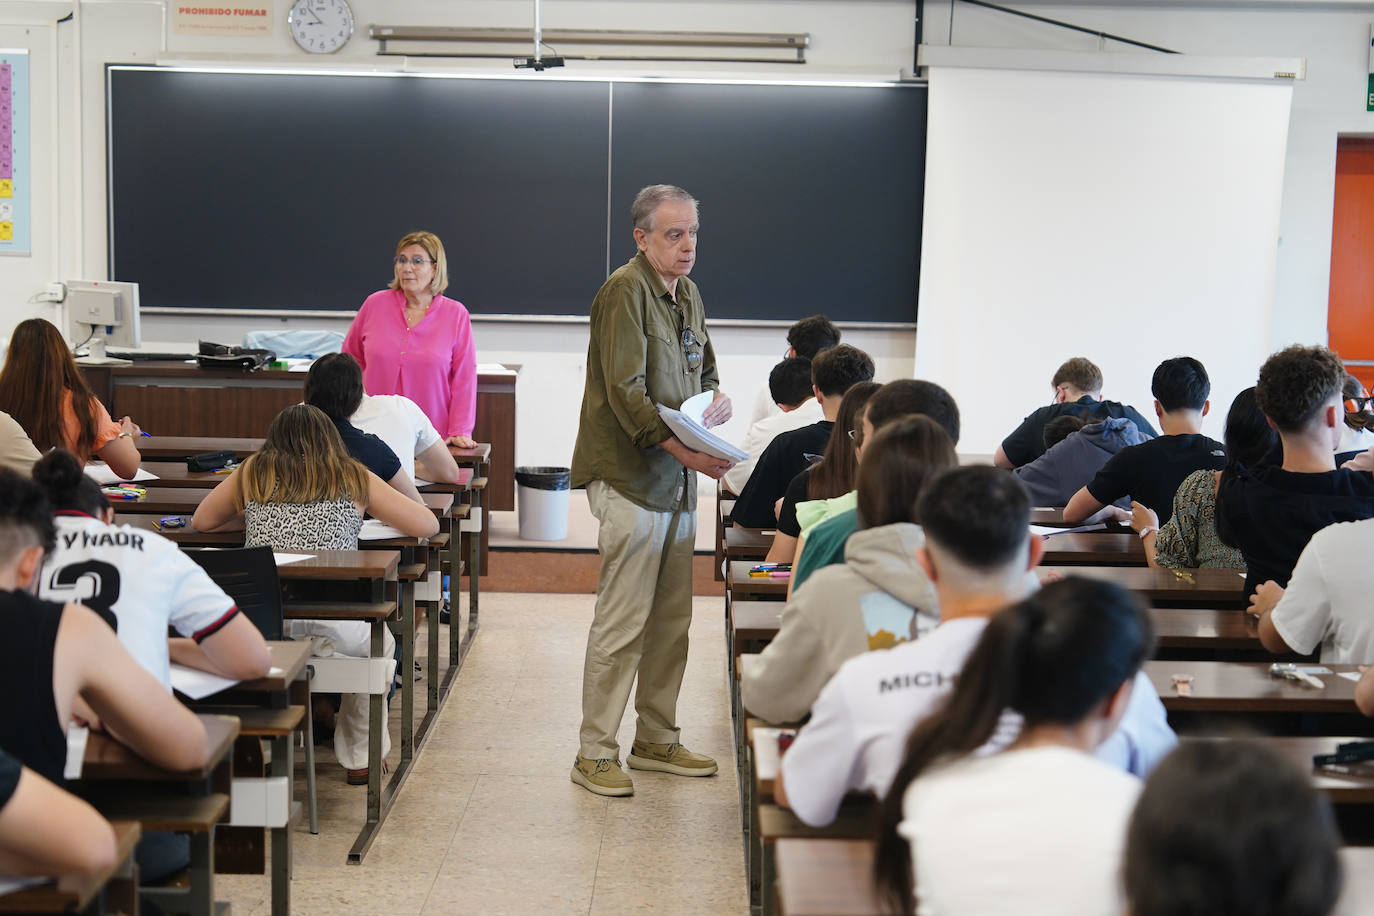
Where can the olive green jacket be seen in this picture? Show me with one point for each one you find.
(636, 360)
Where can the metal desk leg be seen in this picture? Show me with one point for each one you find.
(374, 758)
(474, 561)
(405, 667)
(311, 807)
(281, 836)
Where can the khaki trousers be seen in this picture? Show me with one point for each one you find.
(643, 611)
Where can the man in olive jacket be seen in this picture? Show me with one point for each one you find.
(648, 346)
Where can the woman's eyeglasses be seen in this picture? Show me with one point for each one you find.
(1355, 405)
(401, 261)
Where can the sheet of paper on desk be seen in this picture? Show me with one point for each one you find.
(102, 475)
(374, 530)
(1047, 530)
(494, 369)
(421, 482)
(9, 883)
(285, 558)
(198, 684)
(1350, 675)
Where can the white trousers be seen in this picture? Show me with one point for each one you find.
(349, 639)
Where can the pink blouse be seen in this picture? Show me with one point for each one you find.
(434, 363)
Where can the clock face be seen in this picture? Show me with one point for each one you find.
(320, 26)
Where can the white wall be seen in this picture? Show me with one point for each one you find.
(854, 38)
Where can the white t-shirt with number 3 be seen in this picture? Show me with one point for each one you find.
(138, 581)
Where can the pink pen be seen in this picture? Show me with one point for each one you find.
(785, 574)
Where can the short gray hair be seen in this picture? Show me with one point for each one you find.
(648, 200)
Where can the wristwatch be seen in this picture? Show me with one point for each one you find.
(1146, 530)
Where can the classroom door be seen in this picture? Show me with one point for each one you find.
(1350, 308)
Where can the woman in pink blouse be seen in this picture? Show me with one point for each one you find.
(412, 340)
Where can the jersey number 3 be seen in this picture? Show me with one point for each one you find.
(94, 584)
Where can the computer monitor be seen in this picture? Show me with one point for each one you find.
(102, 312)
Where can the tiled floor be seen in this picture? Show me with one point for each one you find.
(489, 822)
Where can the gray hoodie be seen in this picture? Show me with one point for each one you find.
(878, 597)
(1071, 464)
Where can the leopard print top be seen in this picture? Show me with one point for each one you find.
(332, 525)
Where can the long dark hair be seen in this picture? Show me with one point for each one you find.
(64, 480)
(1052, 658)
(1249, 437)
(39, 372)
(834, 474)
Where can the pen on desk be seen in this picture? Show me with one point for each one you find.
(146, 435)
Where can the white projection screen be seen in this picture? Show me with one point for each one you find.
(1121, 217)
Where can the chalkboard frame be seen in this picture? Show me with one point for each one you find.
(899, 283)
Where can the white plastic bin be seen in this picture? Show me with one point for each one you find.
(542, 501)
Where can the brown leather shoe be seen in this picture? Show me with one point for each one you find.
(357, 777)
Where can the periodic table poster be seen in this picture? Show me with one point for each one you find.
(16, 202)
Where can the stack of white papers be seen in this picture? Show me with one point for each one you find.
(687, 426)
(1047, 530)
(103, 475)
(374, 530)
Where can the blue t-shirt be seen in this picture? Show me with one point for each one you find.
(375, 454)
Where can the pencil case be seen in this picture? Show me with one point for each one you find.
(209, 461)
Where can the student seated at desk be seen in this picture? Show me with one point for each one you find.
(1077, 386)
(978, 548)
(42, 389)
(789, 386)
(303, 492)
(1036, 826)
(47, 831)
(828, 485)
(878, 597)
(1188, 540)
(1358, 434)
(1270, 512)
(1229, 826)
(69, 665)
(1151, 472)
(1326, 605)
(833, 372)
(824, 543)
(805, 338)
(1074, 452)
(402, 425)
(141, 583)
(334, 384)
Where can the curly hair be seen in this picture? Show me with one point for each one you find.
(1080, 372)
(1296, 382)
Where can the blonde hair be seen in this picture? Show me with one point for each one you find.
(435, 249)
(302, 460)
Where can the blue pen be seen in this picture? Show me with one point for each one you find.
(145, 435)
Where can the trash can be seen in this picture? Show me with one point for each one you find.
(543, 502)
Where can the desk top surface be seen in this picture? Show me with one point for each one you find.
(1249, 687)
(71, 894)
(179, 448)
(106, 759)
(1204, 586)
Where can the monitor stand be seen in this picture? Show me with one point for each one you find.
(97, 356)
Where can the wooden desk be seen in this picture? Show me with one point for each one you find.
(184, 500)
(1249, 687)
(1206, 629)
(826, 878)
(116, 886)
(174, 399)
(833, 877)
(122, 785)
(748, 543)
(743, 585)
(1224, 588)
(1094, 548)
(274, 693)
